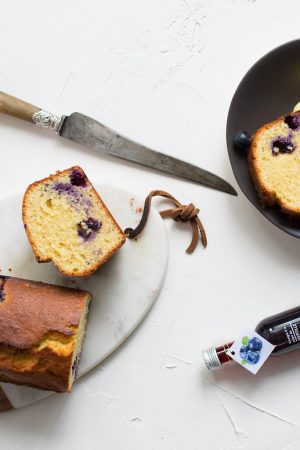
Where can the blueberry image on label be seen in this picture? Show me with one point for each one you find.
(243, 351)
(252, 357)
(255, 344)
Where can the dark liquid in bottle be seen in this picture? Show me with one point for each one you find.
(282, 330)
(222, 355)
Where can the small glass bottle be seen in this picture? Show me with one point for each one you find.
(281, 330)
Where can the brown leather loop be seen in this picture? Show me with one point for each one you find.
(184, 213)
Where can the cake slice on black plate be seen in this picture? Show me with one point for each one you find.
(67, 223)
(274, 163)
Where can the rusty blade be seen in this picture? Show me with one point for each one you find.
(93, 134)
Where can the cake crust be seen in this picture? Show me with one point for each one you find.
(61, 267)
(269, 197)
(38, 326)
(50, 373)
(47, 308)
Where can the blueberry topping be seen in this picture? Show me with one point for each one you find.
(75, 195)
(76, 365)
(282, 145)
(87, 229)
(293, 122)
(255, 344)
(252, 357)
(84, 233)
(78, 178)
(3, 280)
(93, 224)
(243, 351)
(64, 188)
(242, 139)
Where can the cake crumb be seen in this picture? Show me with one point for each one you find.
(10, 269)
(139, 210)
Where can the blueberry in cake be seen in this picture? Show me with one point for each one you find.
(42, 329)
(274, 163)
(67, 223)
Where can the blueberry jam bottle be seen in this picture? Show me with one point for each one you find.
(281, 330)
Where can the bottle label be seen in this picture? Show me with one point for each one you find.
(250, 350)
(292, 332)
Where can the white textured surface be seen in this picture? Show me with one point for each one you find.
(123, 290)
(164, 73)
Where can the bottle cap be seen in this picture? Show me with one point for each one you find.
(211, 359)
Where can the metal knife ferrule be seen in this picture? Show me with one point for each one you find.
(46, 119)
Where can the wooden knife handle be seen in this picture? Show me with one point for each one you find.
(23, 110)
(17, 108)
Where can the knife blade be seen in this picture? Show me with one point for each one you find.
(87, 131)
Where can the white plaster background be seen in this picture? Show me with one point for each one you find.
(162, 72)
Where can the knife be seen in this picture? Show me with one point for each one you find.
(84, 130)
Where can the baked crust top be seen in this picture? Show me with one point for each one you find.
(30, 309)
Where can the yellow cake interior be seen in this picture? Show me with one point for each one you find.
(57, 217)
(279, 174)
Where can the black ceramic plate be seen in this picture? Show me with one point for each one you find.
(270, 89)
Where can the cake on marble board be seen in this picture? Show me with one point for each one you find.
(42, 329)
(67, 223)
(274, 163)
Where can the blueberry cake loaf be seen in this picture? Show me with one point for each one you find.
(274, 163)
(67, 223)
(42, 328)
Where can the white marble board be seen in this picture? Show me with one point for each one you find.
(123, 289)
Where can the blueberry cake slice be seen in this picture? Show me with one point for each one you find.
(42, 329)
(67, 223)
(274, 163)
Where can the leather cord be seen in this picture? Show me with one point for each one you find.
(184, 213)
